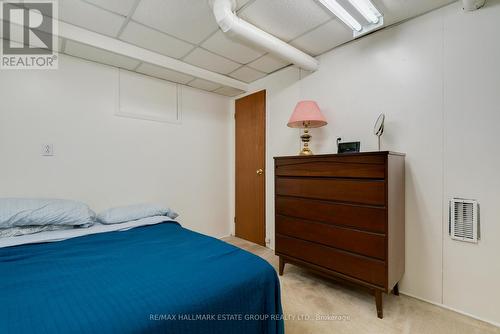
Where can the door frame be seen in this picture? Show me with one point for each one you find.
(264, 159)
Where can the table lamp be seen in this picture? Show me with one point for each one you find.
(306, 115)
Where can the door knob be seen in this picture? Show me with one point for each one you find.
(260, 171)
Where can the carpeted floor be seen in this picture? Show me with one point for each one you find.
(346, 309)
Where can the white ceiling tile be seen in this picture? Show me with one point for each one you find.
(228, 91)
(164, 73)
(121, 7)
(247, 74)
(285, 19)
(231, 48)
(207, 60)
(268, 63)
(156, 41)
(90, 17)
(323, 38)
(204, 84)
(190, 20)
(88, 52)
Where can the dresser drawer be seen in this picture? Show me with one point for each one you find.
(356, 191)
(356, 266)
(364, 243)
(356, 216)
(333, 167)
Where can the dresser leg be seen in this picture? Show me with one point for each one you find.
(281, 265)
(378, 302)
(395, 290)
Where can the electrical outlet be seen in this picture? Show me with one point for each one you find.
(47, 150)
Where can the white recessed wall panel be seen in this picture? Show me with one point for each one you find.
(148, 98)
(122, 7)
(212, 62)
(90, 17)
(90, 53)
(247, 74)
(191, 20)
(154, 40)
(204, 84)
(232, 48)
(268, 63)
(164, 73)
(285, 19)
(324, 38)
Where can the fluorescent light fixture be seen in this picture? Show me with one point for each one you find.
(342, 14)
(367, 9)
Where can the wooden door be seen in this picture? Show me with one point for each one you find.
(250, 118)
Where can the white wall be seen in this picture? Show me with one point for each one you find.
(437, 79)
(106, 160)
(471, 273)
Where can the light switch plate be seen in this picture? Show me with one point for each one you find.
(47, 150)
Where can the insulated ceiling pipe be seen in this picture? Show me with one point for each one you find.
(229, 22)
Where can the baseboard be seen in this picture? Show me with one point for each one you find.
(451, 309)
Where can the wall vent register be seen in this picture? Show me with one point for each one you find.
(464, 220)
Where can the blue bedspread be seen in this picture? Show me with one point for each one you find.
(153, 279)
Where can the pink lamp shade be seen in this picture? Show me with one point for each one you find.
(307, 112)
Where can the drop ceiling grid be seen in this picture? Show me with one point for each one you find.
(129, 21)
(314, 29)
(125, 21)
(110, 7)
(197, 83)
(285, 19)
(241, 71)
(200, 42)
(102, 6)
(242, 5)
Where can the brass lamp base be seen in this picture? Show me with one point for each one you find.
(306, 151)
(306, 138)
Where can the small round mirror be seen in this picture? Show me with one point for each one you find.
(378, 129)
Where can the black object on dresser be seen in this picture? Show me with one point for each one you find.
(343, 216)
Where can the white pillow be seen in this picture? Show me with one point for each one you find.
(19, 231)
(133, 212)
(19, 212)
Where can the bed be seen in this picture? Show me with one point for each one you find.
(159, 278)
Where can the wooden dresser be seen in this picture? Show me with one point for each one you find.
(343, 215)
